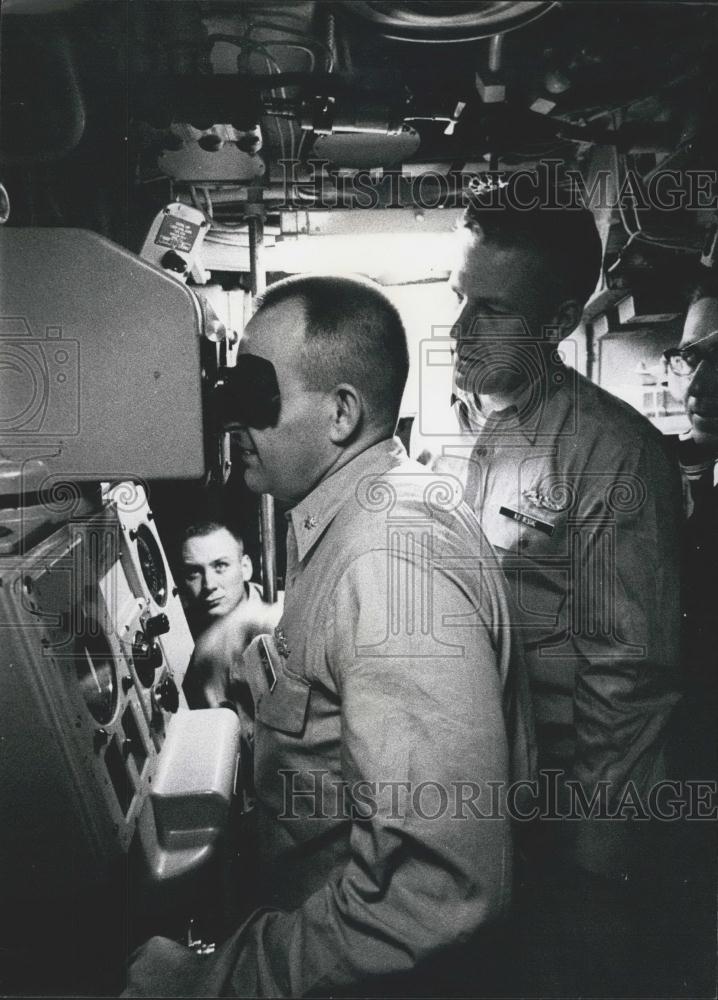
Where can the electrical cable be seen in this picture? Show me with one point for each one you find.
(302, 143)
(209, 212)
(277, 121)
(206, 208)
(241, 41)
(245, 42)
(308, 39)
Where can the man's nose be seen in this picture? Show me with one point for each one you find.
(468, 326)
(456, 327)
(209, 583)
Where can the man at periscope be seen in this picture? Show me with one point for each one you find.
(390, 703)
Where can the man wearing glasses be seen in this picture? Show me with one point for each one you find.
(693, 373)
(693, 376)
(695, 363)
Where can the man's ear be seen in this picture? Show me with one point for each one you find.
(567, 317)
(346, 414)
(247, 568)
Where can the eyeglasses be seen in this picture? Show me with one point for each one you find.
(683, 361)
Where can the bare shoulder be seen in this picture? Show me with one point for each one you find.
(233, 633)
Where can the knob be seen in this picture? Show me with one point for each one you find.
(127, 683)
(210, 143)
(147, 657)
(157, 625)
(171, 261)
(166, 695)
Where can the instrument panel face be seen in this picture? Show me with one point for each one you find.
(73, 724)
(94, 649)
(152, 564)
(96, 671)
(152, 584)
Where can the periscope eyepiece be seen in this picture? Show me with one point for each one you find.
(248, 394)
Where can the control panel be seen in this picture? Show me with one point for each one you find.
(155, 637)
(93, 650)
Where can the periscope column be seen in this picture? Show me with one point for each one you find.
(258, 283)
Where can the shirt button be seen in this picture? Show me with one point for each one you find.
(481, 451)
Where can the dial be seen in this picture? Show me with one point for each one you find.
(96, 671)
(152, 564)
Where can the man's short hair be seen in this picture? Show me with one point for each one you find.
(198, 529)
(566, 238)
(353, 334)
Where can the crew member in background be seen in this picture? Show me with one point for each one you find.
(693, 372)
(693, 368)
(574, 491)
(215, 575)
(390, 690)
(224, 607)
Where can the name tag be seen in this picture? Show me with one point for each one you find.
(266, 657)
(527, 519)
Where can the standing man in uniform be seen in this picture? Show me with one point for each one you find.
(575, 494)
(390, 704)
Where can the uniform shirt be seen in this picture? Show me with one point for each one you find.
(575, 493)
(390, 691)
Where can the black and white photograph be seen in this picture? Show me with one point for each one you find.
(359, 499)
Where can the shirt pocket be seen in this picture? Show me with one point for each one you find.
(285, 707)
(538, 566)
(523, 530)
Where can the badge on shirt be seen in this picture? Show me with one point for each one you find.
(267, 666)
(527, 519)
(281, 641)
(537, 499)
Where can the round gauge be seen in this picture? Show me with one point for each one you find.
(96, 672)
(152, 564)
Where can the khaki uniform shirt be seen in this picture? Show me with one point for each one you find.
(582, 507)
(389, 692)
